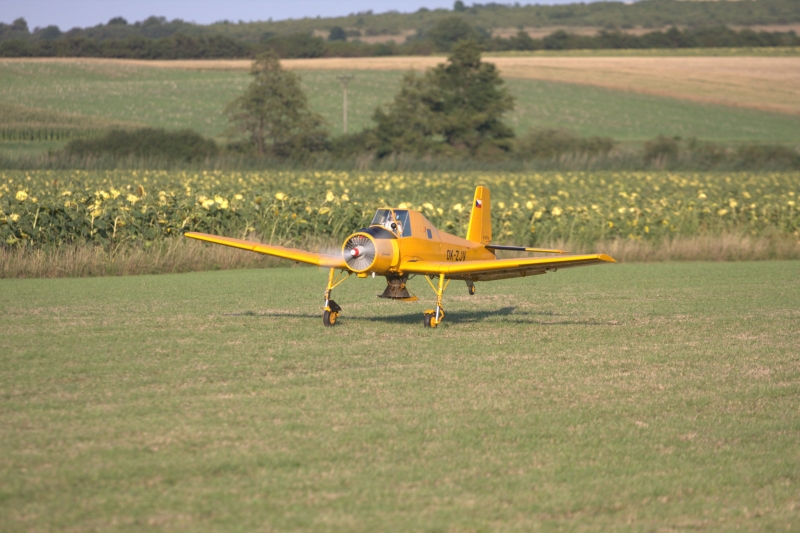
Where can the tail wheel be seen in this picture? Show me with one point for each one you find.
(329, 318)
(471, 289)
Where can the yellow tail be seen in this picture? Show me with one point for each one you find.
(480, 220)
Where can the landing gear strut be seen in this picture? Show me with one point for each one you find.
(433, 317)
(331, 310)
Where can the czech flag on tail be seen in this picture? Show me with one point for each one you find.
(480, 219)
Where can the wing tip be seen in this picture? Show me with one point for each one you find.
(608, 258)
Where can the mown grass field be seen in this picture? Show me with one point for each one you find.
(618, 398)
(179, 98)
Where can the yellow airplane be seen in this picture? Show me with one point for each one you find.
(400, 243)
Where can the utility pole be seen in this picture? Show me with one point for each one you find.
(344, 79)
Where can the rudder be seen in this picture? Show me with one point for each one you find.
(480, 220)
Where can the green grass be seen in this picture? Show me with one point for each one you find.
(628, 116)
(26, 123)
(152, 96)
(15, 149)
(196, 99)
(622, 397)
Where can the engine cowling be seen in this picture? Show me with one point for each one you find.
(364, 252)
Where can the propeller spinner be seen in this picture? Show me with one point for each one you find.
(359, 252)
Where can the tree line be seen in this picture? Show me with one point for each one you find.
(15, 41)
(609, 15)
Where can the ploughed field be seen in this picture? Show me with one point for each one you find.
(40, 209)
(618, 397)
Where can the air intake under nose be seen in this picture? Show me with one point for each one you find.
(359, 252)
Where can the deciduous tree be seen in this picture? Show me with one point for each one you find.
(450, 30)
(274, 114)
(457, 106)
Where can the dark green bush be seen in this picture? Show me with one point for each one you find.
(661, 149)
(553, 143)
(337, 33)
(354, 144)
(450, 30)
(768, 155)
(182, 145)
(707, 154)
(296, 45)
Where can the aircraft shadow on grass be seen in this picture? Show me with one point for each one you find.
(509, 315)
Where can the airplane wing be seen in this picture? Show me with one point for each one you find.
(501, 268)
(293, 254)
(524, 249)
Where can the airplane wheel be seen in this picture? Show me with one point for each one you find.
(329, 319)
(471, 289)
(428, 320)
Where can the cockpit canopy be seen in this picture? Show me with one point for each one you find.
(395, 220)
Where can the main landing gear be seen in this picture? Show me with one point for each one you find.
(331, 310)
(433, 317)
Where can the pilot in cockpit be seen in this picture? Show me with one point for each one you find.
(393, 225)
(387, 219)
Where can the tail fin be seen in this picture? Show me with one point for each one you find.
(480, 220)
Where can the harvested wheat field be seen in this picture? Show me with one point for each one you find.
(765, 83)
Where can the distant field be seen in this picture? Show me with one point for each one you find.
(15, 149)
(617, 398)
(21, 123)
(195, 98)
(767, 83)
(116, 91)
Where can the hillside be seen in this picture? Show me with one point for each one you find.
(490, 18)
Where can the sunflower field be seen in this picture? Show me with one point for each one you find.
(108, 208)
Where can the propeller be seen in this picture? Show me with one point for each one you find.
(359, 252)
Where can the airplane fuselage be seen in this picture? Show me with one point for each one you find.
(382, 247)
